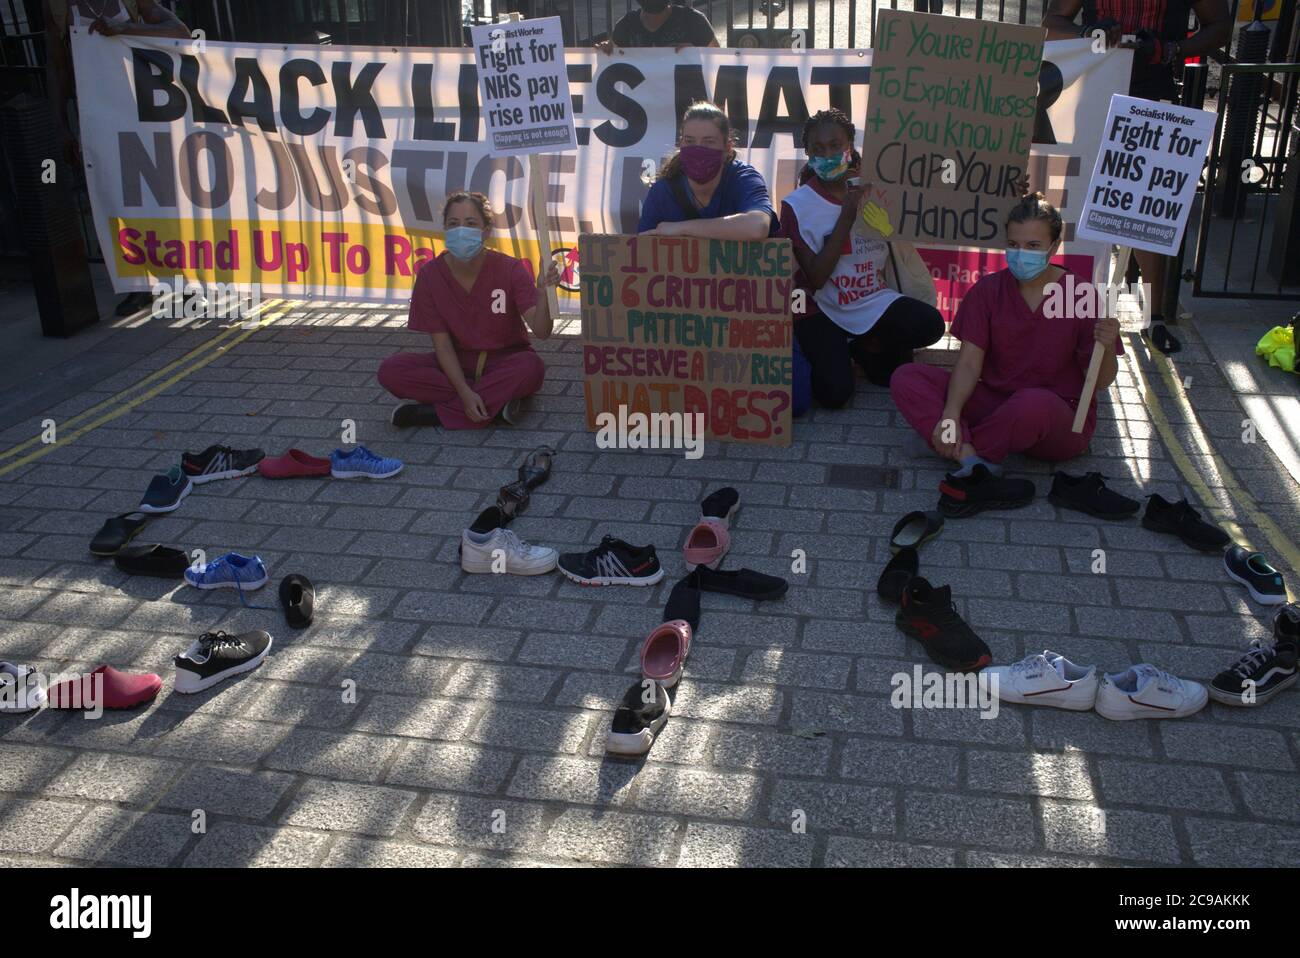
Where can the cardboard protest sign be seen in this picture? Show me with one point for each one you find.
(524, 86)
(1144, 181)
(950, 116)
(686, 325)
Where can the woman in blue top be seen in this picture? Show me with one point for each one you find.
(703, 190)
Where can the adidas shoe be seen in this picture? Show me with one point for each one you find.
(1046, 678)
(216, 656)
(502, 551)
(1146, 692)
(929, 615)
(220, 462)
(230, 571)
(361, 463)
(613, 562)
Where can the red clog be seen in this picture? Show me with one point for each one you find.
(115, 690)
(294, 464)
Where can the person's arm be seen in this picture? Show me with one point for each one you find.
(750, 225)
(970, 363)
(444, 351)
(1059, 19)
(1215, 31)
(155, 21)
(538, 317)
(817, 267)
(1105, 332)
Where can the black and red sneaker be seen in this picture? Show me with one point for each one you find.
(929, 616)
(961, 496)
(613, 562)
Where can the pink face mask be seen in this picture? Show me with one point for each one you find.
(700, 163)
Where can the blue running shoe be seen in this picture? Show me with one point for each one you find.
(230, 571)
(361, 463)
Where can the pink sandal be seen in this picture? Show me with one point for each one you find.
(707, 544)
(664, 652)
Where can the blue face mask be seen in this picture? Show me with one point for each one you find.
(464, 242)
(1026, 264)
(830, 168)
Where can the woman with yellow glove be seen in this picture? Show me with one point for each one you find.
(868, 300)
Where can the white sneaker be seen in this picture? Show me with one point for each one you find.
(1046, 678)
(1145, 691)
(502, 551)
(20, 689)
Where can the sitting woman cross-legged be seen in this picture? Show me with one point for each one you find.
(871, 301)
(1023, 360)
(478, 306)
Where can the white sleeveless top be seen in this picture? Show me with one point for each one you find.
(83, 12)
(855, 296)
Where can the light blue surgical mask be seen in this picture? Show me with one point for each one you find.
(831, 168)
(1026, 264)
(464, 242)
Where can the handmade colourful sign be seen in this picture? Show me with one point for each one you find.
(950, 117)
(684, 325)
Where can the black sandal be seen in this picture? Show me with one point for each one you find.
(116, 533)
(536, 468)
(512, 499)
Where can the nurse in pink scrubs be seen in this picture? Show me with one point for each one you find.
(478, 307)
(1016, 384)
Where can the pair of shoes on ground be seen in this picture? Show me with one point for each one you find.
(1266, 668)
(413, 414)
(513, 498)
(1139, 692)
(710, 540)
(166, 490)
(357, 463)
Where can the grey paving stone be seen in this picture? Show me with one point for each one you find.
(218, 790)
(219, 739)
(1057, 775)
(697, 793)
(765, 751)
(416, 717)
(826, 806)
(1007, 824)
(1232, 746)
(727, 703)
(34, 827)
(1270, 796)
(903, 763)
(1086, 731)
(462, 821)
(599, 836)
(531, 728)
(233, 845)
(572, 780)
(1110, 833)
(783, 667)
(1230, 844)
(359, 758)
(728, 846)
(823, 712)
(116, 837)
(27, 769)
(450, 766)
(348, 807)
(1163, 785)
(108, 777)
(971, 724)
(368, 853)
(844, 852)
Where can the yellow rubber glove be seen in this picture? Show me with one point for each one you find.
(878, 219)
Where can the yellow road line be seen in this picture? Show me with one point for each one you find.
(1244, 501)
(85, 413)
(125, 407)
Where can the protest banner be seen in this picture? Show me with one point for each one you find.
(1144, 181)
(524, 92)
(686, 325)
(321, 171)
(950, 117)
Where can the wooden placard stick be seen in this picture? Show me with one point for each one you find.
(1089, 386)
(542, 223)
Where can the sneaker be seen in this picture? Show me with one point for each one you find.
(962, 496)
(915, 529)
(1251, 569)
(1146, 692)
(412, 414)
(707, 544)
(165, 492)
(216, 656)
(638, 719)
(1046, 678)
(511, 412)
(361, 463)
(1181, 520)
(663, 654)
(1258, 675)
(298, 599)
(294, 464)
(502, 551)
(1088, 494)
(1286, 624)
(154, 560)
(220, 462)
(745, 583)
(117, 690)
(230, 571)
(899, 571)
(721, 504)
(613, 562)
(928, 615)
(20, 689)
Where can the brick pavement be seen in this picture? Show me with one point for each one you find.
(484, 700)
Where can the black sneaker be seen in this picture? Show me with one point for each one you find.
(166, 492)
(298, 599)
(962, 496)
(1088, 494)
(1286, 624)
(745, 583)
(1251, 569)
(1161, 338)
(412, 414)
(721, 504)
(1180, 519)
(613, 562)
(638, 719)
(217, 656)
(154, 560)
(220, 462)
(928, 615)
(1258, 675)
(899, 571)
